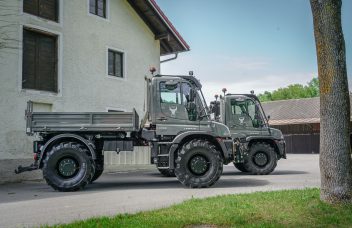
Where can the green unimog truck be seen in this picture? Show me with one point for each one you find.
(260, 145)
(70, 145)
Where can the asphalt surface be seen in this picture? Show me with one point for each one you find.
(30, 204)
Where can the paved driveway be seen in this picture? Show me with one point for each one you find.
(34, 203)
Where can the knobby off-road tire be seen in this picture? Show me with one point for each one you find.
(98, 170)
(240, 167)
(68, 167)
(261, 159)
(199, 164)
(167, 172)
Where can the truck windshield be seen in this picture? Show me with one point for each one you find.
(245, 113)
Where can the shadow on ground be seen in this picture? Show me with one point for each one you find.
(275, 173)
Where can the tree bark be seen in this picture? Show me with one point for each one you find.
(335, 152)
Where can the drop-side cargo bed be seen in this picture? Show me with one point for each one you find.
(80, 121)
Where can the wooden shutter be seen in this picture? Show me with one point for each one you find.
(31, 7)
(29, 60)
(48, 9)
(39, 61)
(118, 64)
(101, 8)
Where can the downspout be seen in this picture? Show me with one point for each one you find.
(170, 59)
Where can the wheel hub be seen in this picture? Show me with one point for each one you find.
(67, 167)
(260, 159)
(199, 165)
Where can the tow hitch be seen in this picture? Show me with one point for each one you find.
(21, 169)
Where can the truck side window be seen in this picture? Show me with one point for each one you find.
(245, 113)
(171, 101)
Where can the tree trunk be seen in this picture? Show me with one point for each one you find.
(335, 153)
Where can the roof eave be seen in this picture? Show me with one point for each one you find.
(170, 40)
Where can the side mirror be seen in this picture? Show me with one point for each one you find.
(192, 95)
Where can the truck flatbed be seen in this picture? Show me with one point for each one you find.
(81, 121)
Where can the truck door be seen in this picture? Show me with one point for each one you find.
(175, 113)
(244, 115)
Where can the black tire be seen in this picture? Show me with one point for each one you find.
(199, 164)
(240, 167)
(77, 174)
(167, 172)
(98, 170)
(261, 159)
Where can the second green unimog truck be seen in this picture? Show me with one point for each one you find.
(260, 145)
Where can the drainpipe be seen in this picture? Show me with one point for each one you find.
(170, 59)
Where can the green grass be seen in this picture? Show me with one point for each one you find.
(292, 208)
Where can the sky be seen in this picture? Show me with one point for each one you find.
(245, 45)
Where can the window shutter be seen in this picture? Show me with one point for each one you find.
(29, 60)
(39, 68)
(48, 9)
(118, 65)
(31, 6)
(47, 69)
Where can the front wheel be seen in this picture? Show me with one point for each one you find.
(68, 167)
(261, 159)
(199, 164)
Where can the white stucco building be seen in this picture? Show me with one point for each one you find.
(77, 55)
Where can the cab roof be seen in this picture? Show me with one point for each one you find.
(193, 80)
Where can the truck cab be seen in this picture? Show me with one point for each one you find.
(177, 113)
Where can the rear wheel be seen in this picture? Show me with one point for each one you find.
(167, 172)
(261, 159)
(199, 164)
(68, 167)
(99, 168)
(240, 167)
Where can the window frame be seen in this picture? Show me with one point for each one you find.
(107, 11)
(124, 64)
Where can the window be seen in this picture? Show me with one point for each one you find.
(115, 63)
(245, 113)
(98, 7)
(174, 101)
(39, 63)
(47, 9)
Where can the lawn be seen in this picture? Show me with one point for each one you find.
(291, 208)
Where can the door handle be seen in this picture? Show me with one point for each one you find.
(162, 118)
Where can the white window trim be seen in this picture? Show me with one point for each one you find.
(107, 19)
(124, 64)
(115, 109)
(59, 59)
(50, 22)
